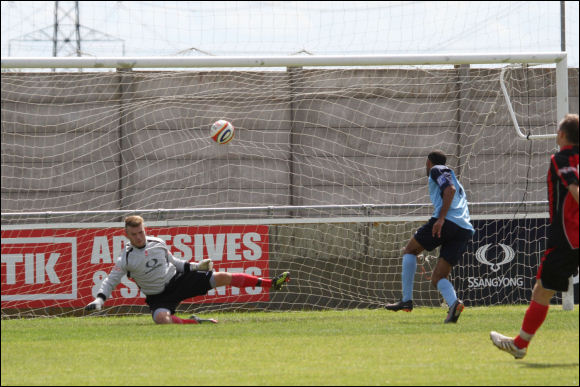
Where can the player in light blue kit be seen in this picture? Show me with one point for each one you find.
(450, 227)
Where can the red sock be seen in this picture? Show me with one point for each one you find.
(533, 320)
(177, 320)
(241, 280)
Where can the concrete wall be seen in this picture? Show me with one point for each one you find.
(139, 140)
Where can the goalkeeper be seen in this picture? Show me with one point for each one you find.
(450, 227)
(166, 280)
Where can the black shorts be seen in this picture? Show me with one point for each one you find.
(181, 287)
(453, 240)
(556, 266)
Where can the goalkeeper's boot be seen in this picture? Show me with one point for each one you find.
(454, 312)
(279, 281)
(406, 306)
(507, 344)
(202, 320)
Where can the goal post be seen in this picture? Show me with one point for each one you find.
(562, 100)
(325, 176)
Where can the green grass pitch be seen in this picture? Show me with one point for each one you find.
(353, 347)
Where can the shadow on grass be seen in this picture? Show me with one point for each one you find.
(550, 365)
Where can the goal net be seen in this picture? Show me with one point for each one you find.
(324, 178)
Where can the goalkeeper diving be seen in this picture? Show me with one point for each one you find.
(166, 280)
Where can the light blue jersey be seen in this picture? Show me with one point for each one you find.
(441, 177)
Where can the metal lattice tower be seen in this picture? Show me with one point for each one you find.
(67, 35)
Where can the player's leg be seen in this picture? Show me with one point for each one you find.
(533, 320)
(445, 287)
(241, 280)
(452, 249)
(164, 316)
(506, 344)
(556, 266)
(441, 283)
(184, 286)
(198, 283)
(410, 252)
(542, 295)
(535, 314)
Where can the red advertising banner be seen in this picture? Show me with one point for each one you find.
(65, 267)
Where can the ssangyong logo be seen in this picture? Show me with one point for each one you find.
(481, 253)
(499, 281)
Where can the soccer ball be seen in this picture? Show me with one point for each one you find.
(222, 131)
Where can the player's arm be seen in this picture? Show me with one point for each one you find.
(445, 183)
(573, 189)
(108, 285)
(448, 194)
(185, 266)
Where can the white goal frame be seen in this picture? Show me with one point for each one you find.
(557, 58)
(560, 59)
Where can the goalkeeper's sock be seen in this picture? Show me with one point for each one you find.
(408, 275)
(241, 280)
(177, 320)
(533, 320)
(447, 291)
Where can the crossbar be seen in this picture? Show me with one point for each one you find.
(279, 61)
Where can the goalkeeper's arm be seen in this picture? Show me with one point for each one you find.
(97, 303)
(185, 266)
(107, 286)
(205, 265)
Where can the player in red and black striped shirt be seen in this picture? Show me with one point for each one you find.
(560, 260)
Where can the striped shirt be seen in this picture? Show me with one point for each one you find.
(563, 208)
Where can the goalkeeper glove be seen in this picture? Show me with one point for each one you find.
(97, 304)
(205, 265)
